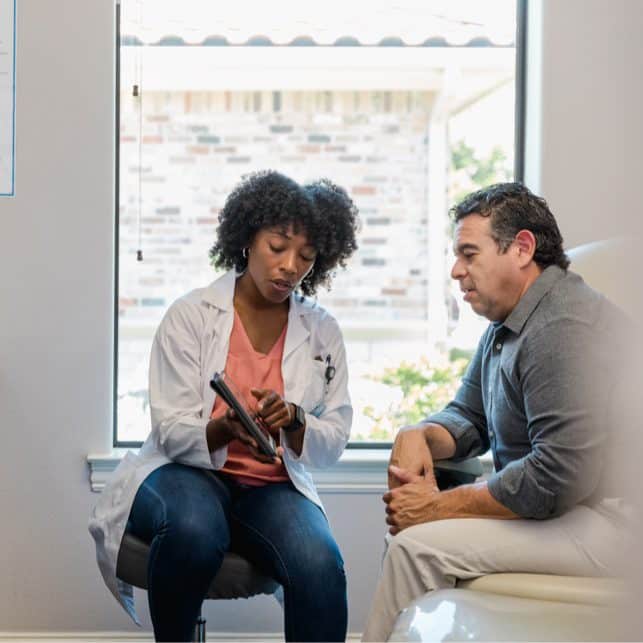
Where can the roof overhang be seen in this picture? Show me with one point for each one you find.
(315, 68)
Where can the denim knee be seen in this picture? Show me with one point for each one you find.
(318, 567)
(199, 543)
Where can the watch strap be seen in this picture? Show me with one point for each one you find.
(298, 420)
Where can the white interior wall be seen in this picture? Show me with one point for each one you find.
(586, 119)
(56, 258)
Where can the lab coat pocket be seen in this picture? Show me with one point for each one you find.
(313, 399)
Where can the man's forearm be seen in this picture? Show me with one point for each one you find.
(416, 447)
(469, 501)
(440, 442)
(415, 502)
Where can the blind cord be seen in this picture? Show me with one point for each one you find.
(137, 92)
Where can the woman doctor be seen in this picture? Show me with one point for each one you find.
(199, 487)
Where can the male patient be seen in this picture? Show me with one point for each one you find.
(538, 392)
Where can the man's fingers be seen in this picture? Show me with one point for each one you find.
(403, 475)
(387, 497)
(393, 482)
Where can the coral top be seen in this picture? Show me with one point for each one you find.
(250, 369)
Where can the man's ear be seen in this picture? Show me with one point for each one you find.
(526, 247)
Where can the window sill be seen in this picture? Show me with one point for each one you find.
(362, 471)
(357, 471)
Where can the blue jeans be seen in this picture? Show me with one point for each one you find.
(193, 516)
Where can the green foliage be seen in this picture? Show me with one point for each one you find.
(471, 172)
(461, 353)
(462, 156)
(427, 387)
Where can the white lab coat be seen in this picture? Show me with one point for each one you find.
(192, 343)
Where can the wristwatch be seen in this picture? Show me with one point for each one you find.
(297, 422)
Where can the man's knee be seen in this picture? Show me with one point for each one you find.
(400, 548)
(420, 548)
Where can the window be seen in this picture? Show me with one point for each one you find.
(408, 111)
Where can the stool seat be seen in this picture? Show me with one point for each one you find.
(237, 578)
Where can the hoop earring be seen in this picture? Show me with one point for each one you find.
(244, 253)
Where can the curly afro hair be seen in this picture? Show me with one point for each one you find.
(336, 226)
(321, 210)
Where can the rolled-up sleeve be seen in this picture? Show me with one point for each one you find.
(464, 418)
(566, 392)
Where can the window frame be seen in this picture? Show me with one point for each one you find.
(519, 164)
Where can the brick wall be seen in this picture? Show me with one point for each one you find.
(197, 145)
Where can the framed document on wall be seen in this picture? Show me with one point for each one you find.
(7, 95)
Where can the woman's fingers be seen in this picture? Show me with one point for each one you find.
(231, 415)
(277, 419)
(274, 412)
(239, 433)
(269, 402)
(265, 397)
(270, 405)
(267, 459)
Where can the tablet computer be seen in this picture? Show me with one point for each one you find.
(225, 387)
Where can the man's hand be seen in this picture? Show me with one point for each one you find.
(410, 452)
(417, 501)
(412, 501)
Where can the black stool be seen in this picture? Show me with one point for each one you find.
(237, 578)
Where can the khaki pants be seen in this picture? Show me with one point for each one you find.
(583, 542)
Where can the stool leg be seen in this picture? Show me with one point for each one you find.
(199, 629)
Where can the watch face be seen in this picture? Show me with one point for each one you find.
(298, 421)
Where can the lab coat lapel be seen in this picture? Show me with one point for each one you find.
(297, 332)
(216, 338)
(293, 364)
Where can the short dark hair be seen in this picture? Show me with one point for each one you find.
(513, 207)
(266, 199)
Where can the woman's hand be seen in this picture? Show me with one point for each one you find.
(221, 431)
(273, 410)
